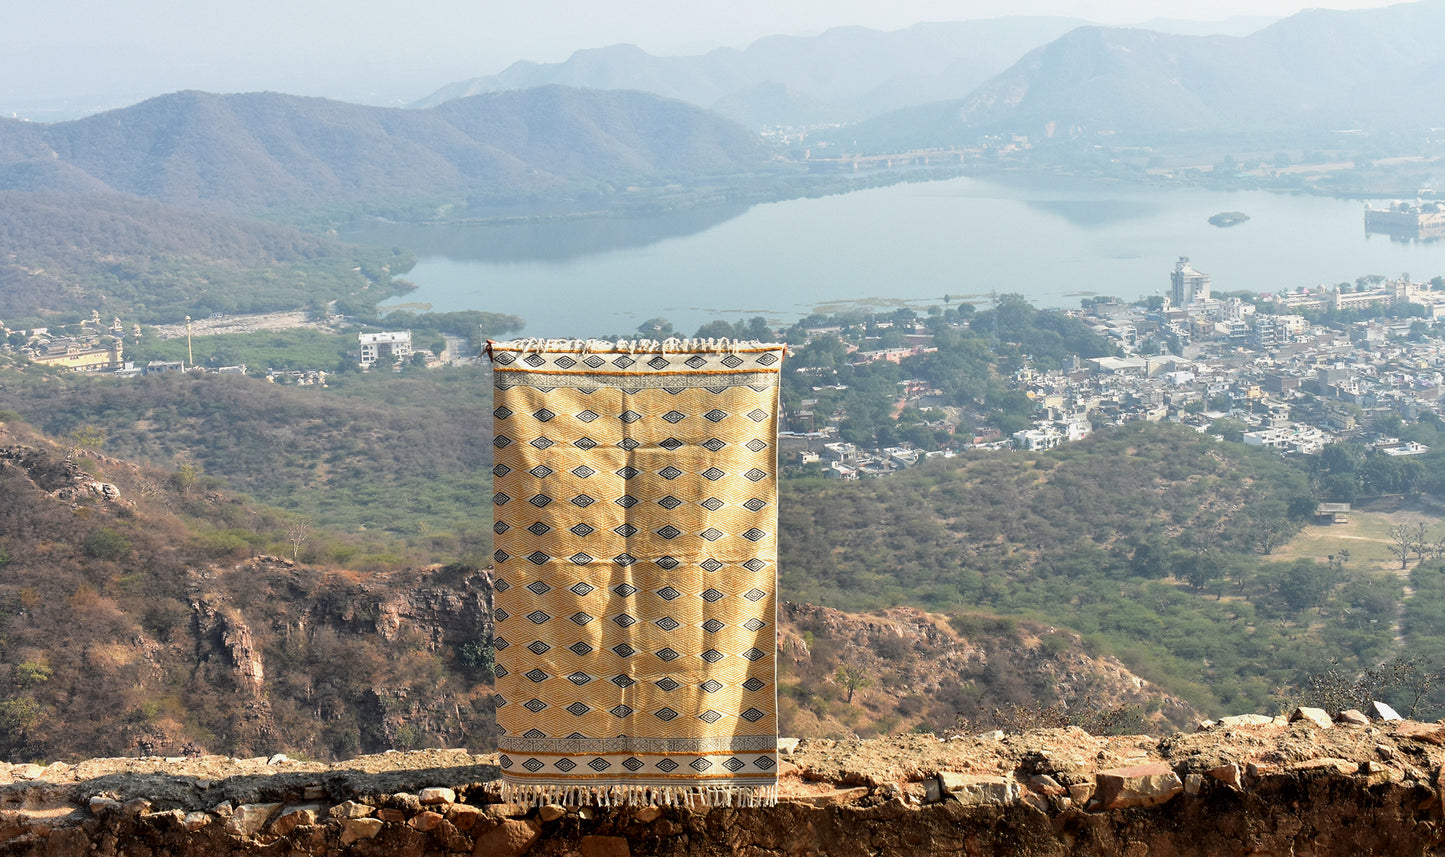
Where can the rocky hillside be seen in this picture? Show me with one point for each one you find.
(906, 670)
(141, 612)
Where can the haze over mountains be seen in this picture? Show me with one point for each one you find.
(843, 75)
(1317, 71)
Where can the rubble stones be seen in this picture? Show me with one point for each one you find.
(437, 794)
(1385, 712)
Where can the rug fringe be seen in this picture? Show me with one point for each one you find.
(536, 794)
(633, 346)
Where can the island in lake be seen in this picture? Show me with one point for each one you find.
(1228, 218)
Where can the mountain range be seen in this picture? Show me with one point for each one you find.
(1308, 75)
(843, 75)
(258, 151)
(1314, 73)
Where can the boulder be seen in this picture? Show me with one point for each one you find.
(978, 791)
(1385, 712)
(1351, 717)
(1314, 716)
(351, 809)
(463, 816)
(248, 818)
(1246, 720)
(1227, 774)
(511, 838)
(357, 829)
(1139, 785)
(604, 846)
(293, 817)
(1428, 733)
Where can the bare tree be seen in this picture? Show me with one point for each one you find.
(1403, 544)
(1419, 543)
(297, 532)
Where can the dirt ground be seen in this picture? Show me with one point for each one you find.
(240, 324)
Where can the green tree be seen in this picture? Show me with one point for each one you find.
(1305, 584)
(852, 679)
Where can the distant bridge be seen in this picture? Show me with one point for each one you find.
(912, 158)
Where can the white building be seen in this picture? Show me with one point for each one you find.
(375, 346)
(1188, 286)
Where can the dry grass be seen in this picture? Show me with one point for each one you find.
(1366, 536)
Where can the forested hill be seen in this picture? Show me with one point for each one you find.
(260, 151)
(62, 254)
(976, 529)
(145, 612)
(1159, 544)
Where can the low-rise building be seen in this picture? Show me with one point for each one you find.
(80, 356)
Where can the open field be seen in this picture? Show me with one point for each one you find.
(1366, 536)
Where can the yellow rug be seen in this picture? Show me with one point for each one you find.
(635, 514)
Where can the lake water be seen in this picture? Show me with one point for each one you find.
(908, 244)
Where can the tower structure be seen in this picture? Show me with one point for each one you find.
(1189, 286)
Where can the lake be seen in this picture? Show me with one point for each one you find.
(908, 244)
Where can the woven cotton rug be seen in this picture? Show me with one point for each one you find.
(636, 544)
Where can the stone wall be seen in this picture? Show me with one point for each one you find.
(1244, 786)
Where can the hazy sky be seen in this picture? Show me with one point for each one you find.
(388, 51)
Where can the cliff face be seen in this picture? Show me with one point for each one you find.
(903, 669)
(1257, 786)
